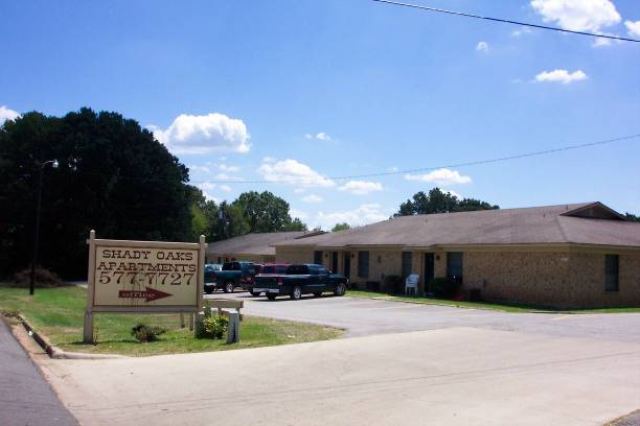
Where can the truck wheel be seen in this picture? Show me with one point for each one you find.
(317, 294)
(296, 293)
(340, 290)
(254, 293)
(228, 287)
(208, 290)
(271, 297)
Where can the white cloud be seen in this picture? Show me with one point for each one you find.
(320, 136)
(298, 213)
(366, 213)
(454, 193)
(441, 177)
(202, 169)
(7, 114)
(633, 28)
(483, 47)
(203, 134)
(225, 176)
(312, 198)
(361, 187)
(578, 15)
(520, 32)
(561, 76)
(225, 188)
(228, 168)
(294, 173)
(206, 188)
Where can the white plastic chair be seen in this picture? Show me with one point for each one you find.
(411, 283)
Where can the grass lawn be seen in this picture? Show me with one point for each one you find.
(58, 314)
(479, 305)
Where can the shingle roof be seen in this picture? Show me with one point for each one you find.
(535, 225)
(257, 243)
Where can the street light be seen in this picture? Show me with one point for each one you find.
(36, 233)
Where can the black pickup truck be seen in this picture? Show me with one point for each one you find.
(232, 275)
(301, 279)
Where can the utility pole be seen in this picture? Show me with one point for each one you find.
(36, 232)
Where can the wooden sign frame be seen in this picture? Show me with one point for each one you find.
(94, 244)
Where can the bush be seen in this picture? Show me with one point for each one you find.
(393, 284)
(211, 326)
(144, 333)
(43, 278)
(444, 287)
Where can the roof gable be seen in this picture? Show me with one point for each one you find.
(595, 210)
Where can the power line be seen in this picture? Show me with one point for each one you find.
(506, 21)
(452, 165)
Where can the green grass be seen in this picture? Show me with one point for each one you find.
(58, 314)
(515, 308)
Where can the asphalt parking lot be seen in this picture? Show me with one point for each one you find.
(364, 317)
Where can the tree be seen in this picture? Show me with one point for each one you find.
(296, 225)
(440, 202)
(632, 217)
(340, 227)
(113, 176)
(265, 212)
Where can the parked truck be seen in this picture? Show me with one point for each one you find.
(267, 269)
(232, 275)
(301, 279)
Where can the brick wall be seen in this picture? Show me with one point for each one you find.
(571, 278)
(561, 278)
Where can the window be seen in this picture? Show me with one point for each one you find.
(407, 263)
(611, 276)
(317, 257)
(363, 264)
(297, 270)
(454, 266)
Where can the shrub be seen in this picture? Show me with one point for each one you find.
(43, 278)
(393, 284)
(211, 326)
(144, 333)
(444, 287)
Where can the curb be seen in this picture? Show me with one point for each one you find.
(55, 352)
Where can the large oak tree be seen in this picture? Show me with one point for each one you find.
(113, 176)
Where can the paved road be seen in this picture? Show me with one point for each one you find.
(362, 317)
(454, 376)
(25, 397)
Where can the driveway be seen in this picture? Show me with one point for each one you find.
(362, 317)
(411, 364)
(453, 376)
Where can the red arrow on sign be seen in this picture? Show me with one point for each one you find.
(149, 295)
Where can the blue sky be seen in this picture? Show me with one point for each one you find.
(297, 92)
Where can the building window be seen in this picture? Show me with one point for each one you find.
(363, 264)
(317, 257)
(454, 266)
(611, 276)
(407, 263)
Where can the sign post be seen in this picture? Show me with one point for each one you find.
(143, 277)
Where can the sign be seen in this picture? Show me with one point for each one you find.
(143, 276)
